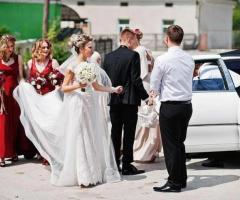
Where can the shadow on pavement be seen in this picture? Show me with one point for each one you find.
(158, 164)
(199, 181)
(134, 178)
(231, 160)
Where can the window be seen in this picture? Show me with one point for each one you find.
(233, 65)
(122, 24)
(207, 76)
(80, 3)
(166, 24)
(124, 3)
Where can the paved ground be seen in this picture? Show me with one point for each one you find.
(30, 181)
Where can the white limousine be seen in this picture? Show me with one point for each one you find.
(215, 123)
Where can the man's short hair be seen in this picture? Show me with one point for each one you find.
(126, 33)
(175, 34)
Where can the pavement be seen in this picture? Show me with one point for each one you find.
(29, 180)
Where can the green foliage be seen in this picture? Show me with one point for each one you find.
(26, 56)
(236, 40)
(4, 30)
(53, 30)
(60, 48)
(61, 51)
(236, 17)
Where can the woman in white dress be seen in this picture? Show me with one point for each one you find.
(147, 142)
(72, 133)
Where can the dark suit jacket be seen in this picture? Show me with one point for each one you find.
(123, 68)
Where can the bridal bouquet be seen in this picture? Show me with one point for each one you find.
(85, 73)
(147, 116)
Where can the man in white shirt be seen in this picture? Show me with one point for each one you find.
(172, 80)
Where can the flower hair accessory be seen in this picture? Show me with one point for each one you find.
(138, 33)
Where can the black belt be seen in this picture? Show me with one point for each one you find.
(176, 102)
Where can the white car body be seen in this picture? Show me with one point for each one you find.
(214, 125)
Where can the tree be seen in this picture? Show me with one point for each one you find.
(45, 18)
(60, 48)
(4, 30)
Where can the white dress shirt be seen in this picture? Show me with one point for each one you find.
(172, 75)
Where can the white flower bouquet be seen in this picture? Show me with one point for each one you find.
(85, 73)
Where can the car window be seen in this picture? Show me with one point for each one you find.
(233, 66)
(207, 76)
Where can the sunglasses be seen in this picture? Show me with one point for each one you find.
(45, 47)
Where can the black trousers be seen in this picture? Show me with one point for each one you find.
(123, 117)
(174, 119)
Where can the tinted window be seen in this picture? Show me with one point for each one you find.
(233, 66)
(207, 76)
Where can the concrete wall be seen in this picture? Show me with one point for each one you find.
(217, 24)
(104, 19)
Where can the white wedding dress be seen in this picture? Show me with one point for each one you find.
(71, 132)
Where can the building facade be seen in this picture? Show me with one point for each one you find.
(106, 18)
(213, 17)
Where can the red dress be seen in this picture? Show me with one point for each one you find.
(46, 85)
(45, 81)
(9, 117)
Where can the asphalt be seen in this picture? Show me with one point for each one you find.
(29, 180)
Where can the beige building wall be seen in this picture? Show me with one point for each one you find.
(217, 24)
(104, 19)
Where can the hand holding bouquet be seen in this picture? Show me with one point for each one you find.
(56, 78)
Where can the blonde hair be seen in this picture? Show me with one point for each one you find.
(127, 34)
(78, 41)
(37, 49)
(4, 45)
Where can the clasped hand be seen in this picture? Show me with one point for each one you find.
(151, 98)
(118, 89)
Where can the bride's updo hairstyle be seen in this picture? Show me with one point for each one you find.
(78, 41)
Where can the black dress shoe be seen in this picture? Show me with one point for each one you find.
(131, 170)
(168, 188)
(213, 163)
(184, 185)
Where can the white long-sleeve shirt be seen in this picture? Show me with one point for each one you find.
(172, 75)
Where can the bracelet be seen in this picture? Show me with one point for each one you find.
(112, 90)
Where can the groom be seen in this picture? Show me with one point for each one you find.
(172, 80)
(123, 68)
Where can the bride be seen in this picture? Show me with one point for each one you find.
(71, 131)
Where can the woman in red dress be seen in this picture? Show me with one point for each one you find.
(43, 73)
(10, 72)
(42, 69)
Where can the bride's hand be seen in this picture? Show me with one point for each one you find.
(118, 89)
(81, 85)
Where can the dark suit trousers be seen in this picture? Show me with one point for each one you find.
(123, 117)
(174, 119)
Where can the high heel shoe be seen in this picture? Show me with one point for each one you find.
(2, 163)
